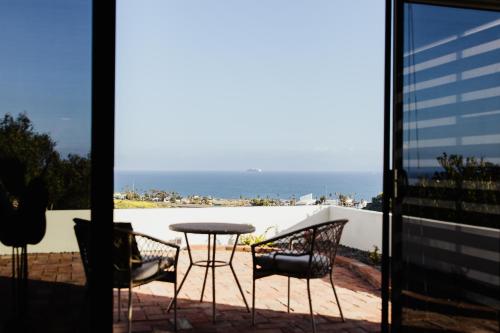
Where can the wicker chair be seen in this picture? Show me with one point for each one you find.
(308, 253)
(137, 259)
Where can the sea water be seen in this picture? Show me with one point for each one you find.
(244, 184)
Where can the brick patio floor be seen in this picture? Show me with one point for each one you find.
(56, 289)
(360, 302)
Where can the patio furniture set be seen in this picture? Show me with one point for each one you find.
(306, 253)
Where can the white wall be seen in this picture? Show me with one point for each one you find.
(363, 230)
(156, 221)
(60, 236)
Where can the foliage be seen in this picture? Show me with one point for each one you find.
(457, 168)
(344, 199)
(67, 179)
(375, 256)
(376, 203)
(468, 183)
(253, 238)
(131, 194)
(124, 204)
(175, 195)
(156, 195)
(321, 200)
(73, 175)
(264, 202)
(196, 200)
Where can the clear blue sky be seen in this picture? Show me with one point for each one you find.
(45, 68)
(231, 85)
(207, 85)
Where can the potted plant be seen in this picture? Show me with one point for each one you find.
(245, 241)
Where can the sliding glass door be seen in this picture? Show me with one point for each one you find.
(446, 222)
(56, 164)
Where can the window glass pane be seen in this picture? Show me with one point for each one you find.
(451, 158)
(45, 120)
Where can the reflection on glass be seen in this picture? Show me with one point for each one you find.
(451, 156)
(45, 70)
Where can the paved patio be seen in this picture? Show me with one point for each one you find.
(56, 292)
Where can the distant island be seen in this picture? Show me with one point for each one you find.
(254, 170)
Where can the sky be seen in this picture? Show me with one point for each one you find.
(230, 85)
(207, 85)
(45, 68)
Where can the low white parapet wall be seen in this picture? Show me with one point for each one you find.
(59, 236)
(156, 221)
(363, 230)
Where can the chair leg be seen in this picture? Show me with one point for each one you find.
(119, 304)
(213, 280)
(180, 286)
(310, 306)
(288, 301)
(253, 302)
(336, 298)
(129, 309)
(24, 278)
(175, 305)
(14, 280)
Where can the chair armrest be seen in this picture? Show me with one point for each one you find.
(157, 240)
(293, 244)
(289, 235)
(151, 248)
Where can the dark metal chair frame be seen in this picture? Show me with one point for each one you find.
(140, 249)
(317, 243)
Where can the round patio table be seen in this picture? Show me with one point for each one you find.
(212, 230)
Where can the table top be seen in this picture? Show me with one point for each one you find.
(213, 228)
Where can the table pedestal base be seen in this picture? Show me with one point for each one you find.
(211, 262)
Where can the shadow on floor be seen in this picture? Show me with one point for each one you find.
(51, 307)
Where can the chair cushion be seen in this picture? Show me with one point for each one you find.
(294, 265)
(152, 268)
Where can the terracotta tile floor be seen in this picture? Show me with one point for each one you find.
(360, 302)
(57, 280)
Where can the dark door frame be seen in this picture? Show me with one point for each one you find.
(393, 127)
(100, 301)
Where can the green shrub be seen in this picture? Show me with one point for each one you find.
(253, 238)
(375, 256)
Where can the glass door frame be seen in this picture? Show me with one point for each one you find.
(393, 148)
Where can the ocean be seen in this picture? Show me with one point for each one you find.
(234, 184)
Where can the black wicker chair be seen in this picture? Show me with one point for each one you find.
(308, 253)
(137, 259)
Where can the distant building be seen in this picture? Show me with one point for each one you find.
(332, 202)
(306, 200)
(362, 204)
(119, 196)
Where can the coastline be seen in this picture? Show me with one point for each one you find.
(124, 204)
